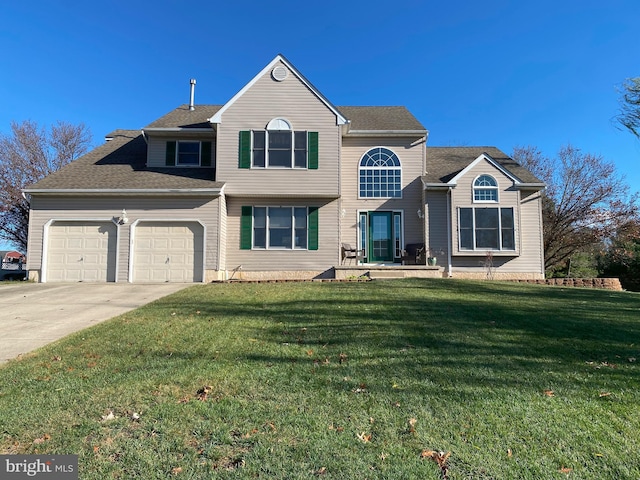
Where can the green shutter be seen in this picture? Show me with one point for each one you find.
(313, 228)
(246, 227)
(312, 150)
(244, 156)
(205, 153)
(170, 157)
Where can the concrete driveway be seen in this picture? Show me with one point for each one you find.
(35, 314)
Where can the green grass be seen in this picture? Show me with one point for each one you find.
(324, 380)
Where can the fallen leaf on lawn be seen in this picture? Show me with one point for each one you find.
(42, 439)
(440, 458)
(364, 437)
(309, 352)
(509, 453)
(135, 416)
(57, 358)
(566, 470)
(321, 471)
(203, 392)
(412, 425)
(384, 456)
(604, 394)
(631, 359)
(176, 470)
(549, 393)
(197, 312)
(342, 357)
(108, 416)
(599, 455)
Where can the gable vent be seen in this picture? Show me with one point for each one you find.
(279, 73)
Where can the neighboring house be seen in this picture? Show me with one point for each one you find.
(270, 185)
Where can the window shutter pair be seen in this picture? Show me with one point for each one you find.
(244, 154)
(246, 227)
(170, 154)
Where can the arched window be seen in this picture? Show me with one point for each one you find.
(380, 174)
(485, 189)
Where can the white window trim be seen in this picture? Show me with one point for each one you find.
(293, 228)
(380, 168)
(473, 230)
(475, 188)
(187, 165)
(293, 150)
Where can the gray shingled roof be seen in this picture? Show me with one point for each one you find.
(361, 118)
(380, 118)
(185, 118)
(119, 164)
(444, 163)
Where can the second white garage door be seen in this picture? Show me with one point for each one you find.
(168, 252)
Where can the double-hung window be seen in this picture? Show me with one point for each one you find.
(279, 146)
(278, 228)
(486, 228)
(188, 153)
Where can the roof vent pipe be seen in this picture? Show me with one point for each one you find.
(193, 91)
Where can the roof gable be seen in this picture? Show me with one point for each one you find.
(485, 158)
(340, 119)
(443, 164)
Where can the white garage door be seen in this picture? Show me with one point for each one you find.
(81, 252)
(168, 252)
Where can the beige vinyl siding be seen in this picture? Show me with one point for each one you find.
(204, 209)
(462, 196)
(410, 151)
(278, 260)
(436, 221)
(293, 101)
(528, 226)
(157, 148)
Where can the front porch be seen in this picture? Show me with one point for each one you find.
(382, 271)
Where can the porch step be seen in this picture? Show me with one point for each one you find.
(383, 274)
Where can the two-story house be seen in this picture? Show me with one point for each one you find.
(271, 185)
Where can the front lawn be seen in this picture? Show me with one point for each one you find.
(342, 380)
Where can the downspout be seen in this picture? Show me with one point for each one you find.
(449, 235)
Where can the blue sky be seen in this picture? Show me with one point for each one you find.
(497, 72)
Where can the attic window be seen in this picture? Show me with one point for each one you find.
(485, 189)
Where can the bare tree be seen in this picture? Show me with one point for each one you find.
(27, 155)
(629, 116)
(585, 201)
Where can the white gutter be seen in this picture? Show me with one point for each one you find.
(136, 191)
